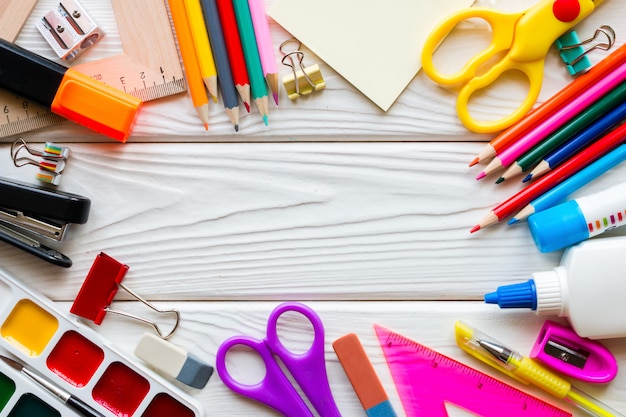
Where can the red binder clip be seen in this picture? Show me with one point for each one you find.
(97, 293)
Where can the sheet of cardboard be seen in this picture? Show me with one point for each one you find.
(376, 45)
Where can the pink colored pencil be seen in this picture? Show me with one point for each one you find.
(265, 45)
(556, 120)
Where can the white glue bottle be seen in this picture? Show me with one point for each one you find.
(588, 288)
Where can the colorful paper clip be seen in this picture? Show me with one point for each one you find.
(97, 292)
(52, 162)
(572, 50)
(69, 30)
(560, 348)
(303, 81)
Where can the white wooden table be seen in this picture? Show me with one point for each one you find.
(362, 215)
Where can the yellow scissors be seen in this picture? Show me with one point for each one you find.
(525, 36)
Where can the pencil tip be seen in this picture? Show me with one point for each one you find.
(275, 98)
(499, 180)
(247, 106)
(236, 128)
(474, 162)
(481, 175)
(206, 126)
(265, 120)
(527, 178)
(475, 228)
(512, 221)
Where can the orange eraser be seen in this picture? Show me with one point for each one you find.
(360, 371)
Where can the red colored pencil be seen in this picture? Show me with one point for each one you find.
(234, 50)
(519, 200)
(539, 114)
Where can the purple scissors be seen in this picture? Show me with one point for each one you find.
(275, 389)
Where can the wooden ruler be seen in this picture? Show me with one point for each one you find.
(149, 68)
(16, 114)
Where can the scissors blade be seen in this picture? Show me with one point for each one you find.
(308, 368)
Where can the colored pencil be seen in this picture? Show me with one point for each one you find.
(265, 46)
(559, 193)
(258, 86)
(190, 61)
(224, 74)
(556, 120)
(603, 146)
(536, 116)
(235, 51)
(578, 124)
(202, 45)
(579, 142)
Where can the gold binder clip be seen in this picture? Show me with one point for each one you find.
(301, 81)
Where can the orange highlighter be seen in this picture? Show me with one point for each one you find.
(67, 92)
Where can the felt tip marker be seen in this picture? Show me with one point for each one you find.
(67, 92)
(576, 220)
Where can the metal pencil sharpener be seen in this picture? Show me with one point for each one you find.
(69, 30)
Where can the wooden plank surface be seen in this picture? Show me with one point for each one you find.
(205, 325)
(424, 112)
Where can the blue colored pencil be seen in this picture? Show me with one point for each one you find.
(579, 141)
(559, 192)
(224, 73)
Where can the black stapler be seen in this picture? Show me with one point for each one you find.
(30, 212)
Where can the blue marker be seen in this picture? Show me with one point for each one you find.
(574, 221)
(559, 193)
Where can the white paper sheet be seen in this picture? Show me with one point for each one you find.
(374, 44)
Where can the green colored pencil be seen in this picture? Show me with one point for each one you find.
(258, 86)
(536, 154)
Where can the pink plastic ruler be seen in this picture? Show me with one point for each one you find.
(426, 380)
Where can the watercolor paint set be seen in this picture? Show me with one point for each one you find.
(75, 359)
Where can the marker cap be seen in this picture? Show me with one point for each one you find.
(96, 105)
(558, 227)
(521, 295)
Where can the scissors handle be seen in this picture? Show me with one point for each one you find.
(534, 73)
(503, 28)
(308, 368)
(273, 390)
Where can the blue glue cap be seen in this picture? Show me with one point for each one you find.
(558, 227)
(522, 295)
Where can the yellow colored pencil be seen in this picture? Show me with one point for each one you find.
(195, 83)
(202, 46)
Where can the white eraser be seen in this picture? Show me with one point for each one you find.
(173, 361)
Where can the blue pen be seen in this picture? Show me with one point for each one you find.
(579, 141)
(559, 192)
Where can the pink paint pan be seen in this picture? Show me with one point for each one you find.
(76, 359)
